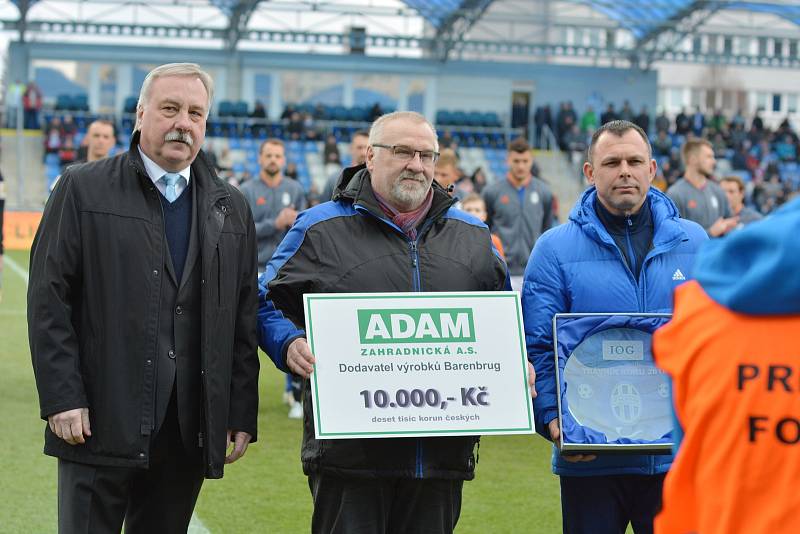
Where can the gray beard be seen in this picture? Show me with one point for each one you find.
(406, 196)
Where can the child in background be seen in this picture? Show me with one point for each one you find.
(474, 205)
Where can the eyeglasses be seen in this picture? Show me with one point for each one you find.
(406, 154)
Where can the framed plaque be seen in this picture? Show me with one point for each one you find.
(611, 396)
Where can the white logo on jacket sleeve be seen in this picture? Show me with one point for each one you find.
(678, 275)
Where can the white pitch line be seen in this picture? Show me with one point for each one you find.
(16, 267)
(195, 526)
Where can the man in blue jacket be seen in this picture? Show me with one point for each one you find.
(624, 249)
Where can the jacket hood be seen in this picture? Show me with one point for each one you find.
(755, 270)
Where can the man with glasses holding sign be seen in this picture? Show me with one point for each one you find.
(622, 252)
(389, 228)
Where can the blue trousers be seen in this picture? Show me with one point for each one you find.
(606, 504)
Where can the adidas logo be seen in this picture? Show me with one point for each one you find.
(678, 275)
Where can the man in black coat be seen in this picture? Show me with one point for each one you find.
(141, 314)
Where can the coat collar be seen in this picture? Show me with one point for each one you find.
(666, 220)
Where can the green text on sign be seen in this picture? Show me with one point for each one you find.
(427, 325)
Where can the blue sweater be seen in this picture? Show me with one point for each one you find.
(178, 228)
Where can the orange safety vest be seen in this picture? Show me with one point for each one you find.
(736, 391)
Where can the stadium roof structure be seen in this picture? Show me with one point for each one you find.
(435, 28)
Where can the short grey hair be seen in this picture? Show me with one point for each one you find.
(173, 69)
(376, 130)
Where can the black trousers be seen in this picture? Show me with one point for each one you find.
(96, 499)
(606, 504)
(348, 505)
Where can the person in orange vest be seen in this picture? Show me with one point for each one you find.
(733, 353)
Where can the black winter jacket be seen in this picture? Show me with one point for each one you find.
(346, 246)
(93, 301)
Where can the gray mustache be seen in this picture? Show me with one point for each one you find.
(183, 137)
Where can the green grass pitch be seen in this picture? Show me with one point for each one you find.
(265, 492)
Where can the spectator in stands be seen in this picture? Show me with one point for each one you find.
(473, 204)
(769, 193)
(14, 94)
(719, 145)
(682, 123)
(375, 112)
(626, 113)
(698, 122)
(609, 114)
(68, 126)
(258, 111)
(446, 172)
(31, 105)
(786, 149)
(541, 119)
(642, 120)
(225, 161)
(358, 155)
(320, 112)
(68, 152)
(737, 135)
(565, 120)
(143, 276)
(309, 127)
(662, 122)
(758, 122)
(663, 144)
(520, 208)
(330, 152)
(211, 155)
(273, 200)
(392, 484)
(698, 197)
(478, 180)
(739, 158)
(718, 123)
(287, 112)
(589, 121)
(53, 139)
(296, 127)
(737, 120)
(734, 190)
(446, 141)
(291, 171)
(576, 143)
(617, 253)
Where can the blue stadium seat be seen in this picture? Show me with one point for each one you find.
(239, 109)
(63, 102)
(130, 105)
(80, 103)
(225, 108)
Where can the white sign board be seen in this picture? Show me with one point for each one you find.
(418, 364)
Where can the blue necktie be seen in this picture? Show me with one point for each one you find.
(172, 179)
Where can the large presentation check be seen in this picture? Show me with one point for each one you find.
(418, 364)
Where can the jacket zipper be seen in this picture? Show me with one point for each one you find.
(417, 287)
(632, 258)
